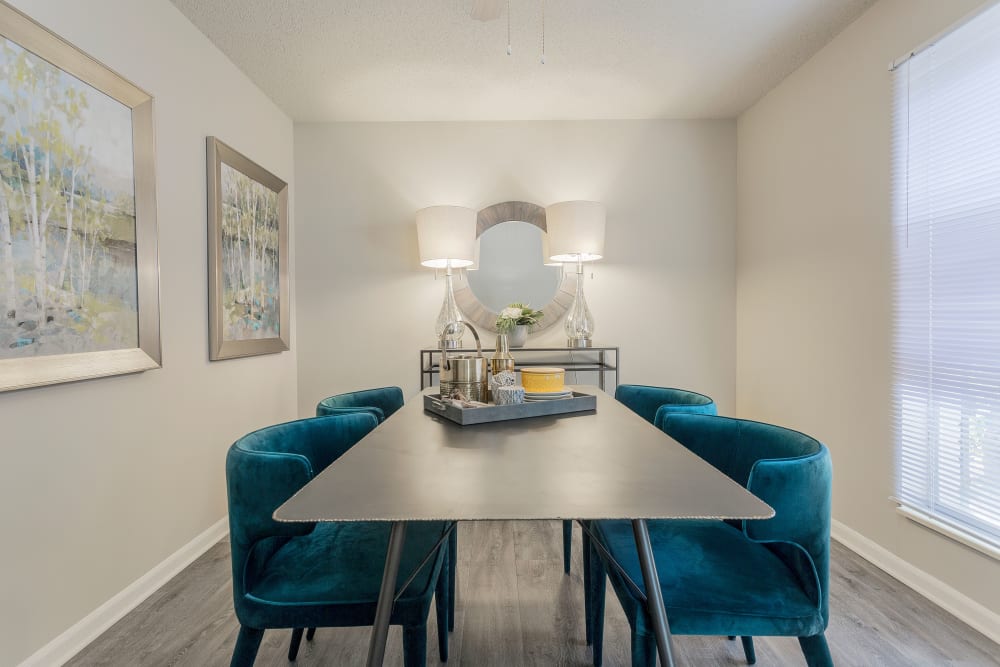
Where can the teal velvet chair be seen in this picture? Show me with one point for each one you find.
(754, 578)
(652, 404)
(382, 403)
(306, 575)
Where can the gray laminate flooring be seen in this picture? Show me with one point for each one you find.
(516, 607)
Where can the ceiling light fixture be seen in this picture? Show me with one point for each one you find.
(508, 28)
(490, 10)
(543, 32)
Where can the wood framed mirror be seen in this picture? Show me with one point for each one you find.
(511, 269)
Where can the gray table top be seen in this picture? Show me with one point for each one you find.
(608, 463)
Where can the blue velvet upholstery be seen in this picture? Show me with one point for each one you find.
(382, 403)
(764, 577)
(652, 404)
(306, 575)
(647, 401)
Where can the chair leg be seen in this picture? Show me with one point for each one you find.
(588, 584)
(441, 603)
(567, 544)
(748, 650)
(643, 650)
(310, 633)
(415, 645)
(452, 567)
(247, 644)
(293, 648)
(816, 651)
(598, 583)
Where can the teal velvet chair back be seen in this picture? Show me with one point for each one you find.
(647, 401)
(381, 402)
(788, 470)
(652, 404)
(264, 469)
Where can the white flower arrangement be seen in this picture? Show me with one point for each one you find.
(515, 314)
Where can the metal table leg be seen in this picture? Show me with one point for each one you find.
(383, 612)
(654, 596)
(600, 373)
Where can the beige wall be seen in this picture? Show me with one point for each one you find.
(102, 480)
(665, 292)
(814, 282)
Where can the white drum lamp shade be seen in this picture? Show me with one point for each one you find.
(576, 231)
(446, 236)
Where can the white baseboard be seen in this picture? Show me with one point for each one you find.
(959, 605)
(76, 638)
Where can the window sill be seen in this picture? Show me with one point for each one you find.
(951, 531)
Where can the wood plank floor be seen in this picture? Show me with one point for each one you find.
(516, 607)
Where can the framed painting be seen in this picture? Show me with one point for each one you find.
(79, 280)
(247, 256)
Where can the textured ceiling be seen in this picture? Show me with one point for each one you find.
(398, 60)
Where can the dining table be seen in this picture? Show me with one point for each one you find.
(605, 463)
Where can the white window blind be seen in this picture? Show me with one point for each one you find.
(946, 273)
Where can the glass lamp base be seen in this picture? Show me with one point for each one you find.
(579, 342)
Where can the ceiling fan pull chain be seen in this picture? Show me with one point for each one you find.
(508, 28)
(543, 31)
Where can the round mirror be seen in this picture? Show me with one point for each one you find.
(511, 268)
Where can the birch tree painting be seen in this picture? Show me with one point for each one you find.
(248, 239)
(67, 213)
(250, 257)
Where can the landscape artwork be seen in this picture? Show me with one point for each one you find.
(67, 213)
(249, 258)
(79, 295)
(249, 254)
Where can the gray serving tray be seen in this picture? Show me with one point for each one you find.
(580, 402)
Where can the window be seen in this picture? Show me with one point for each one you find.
(946, 274)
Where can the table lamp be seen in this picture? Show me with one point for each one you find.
(447, 237)
(576, 234)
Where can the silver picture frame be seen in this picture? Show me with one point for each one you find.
(35, 371)
(220, 345)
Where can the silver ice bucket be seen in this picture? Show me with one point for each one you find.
(465, 374)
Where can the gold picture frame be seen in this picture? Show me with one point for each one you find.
(248, 297)
(55, 322)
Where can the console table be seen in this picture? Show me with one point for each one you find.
(599, 359)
